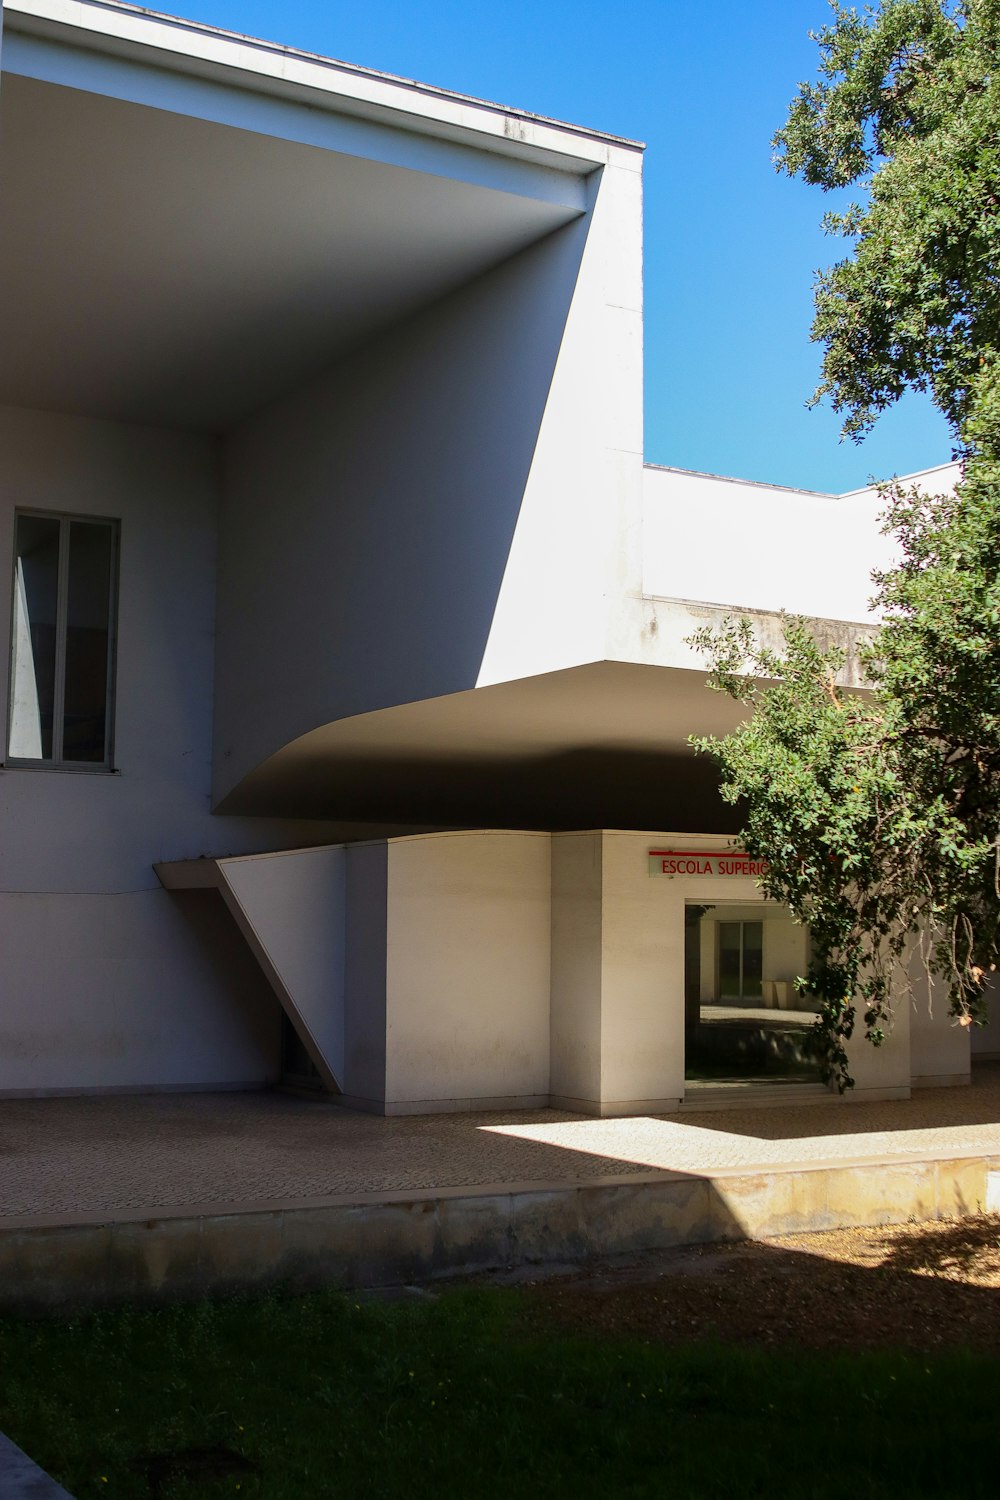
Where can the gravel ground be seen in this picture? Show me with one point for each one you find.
(918, 1287)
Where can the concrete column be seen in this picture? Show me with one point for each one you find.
(467, 972)
(617, 1018)
(364, 976)
(642, 1011)
(577, 970)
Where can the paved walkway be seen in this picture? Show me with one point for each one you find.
(87, 1158)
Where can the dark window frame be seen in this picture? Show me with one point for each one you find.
(742, 924)
(57, 762)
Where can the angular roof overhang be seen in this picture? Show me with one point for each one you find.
(193, 224)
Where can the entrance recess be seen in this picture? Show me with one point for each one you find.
(745, 1023)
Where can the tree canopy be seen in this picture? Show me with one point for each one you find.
(879, 813)
(906, 108)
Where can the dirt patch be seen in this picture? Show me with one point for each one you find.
(918, 1287)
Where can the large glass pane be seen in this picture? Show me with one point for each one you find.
(88, 638)
(33, 650)
(753, 959)
(729, 960)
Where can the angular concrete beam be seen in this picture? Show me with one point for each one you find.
(22, 1479)
(289, 907)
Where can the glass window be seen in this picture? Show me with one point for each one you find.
(730, 955)
(741, 960)
(62, 641)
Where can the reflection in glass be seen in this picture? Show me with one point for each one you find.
(62, 645)
(753, 959)
(33, 648)
(88, 609)
(729, 960)
(745, 1023)
(741, 960)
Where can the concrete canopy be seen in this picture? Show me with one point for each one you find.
(598, 745)
(168, 269)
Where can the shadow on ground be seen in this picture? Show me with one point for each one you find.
(924, 1287)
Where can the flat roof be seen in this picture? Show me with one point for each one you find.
(72, 13)
(794, 489)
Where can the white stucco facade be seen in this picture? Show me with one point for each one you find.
(354, 368)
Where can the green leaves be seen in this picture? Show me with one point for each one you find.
(879, 813)
(908, 108)
(860, 813)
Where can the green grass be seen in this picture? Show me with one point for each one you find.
(476, 1395)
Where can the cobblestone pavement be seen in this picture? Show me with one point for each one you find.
(84, 1156)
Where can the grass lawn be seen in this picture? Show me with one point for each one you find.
(478, 1393)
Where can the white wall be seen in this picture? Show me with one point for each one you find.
(467, 971)
(985, 1040)
(135, 990)
(940, 1049)
(755, 546)
(442, 509)
(575, 554)
(786, 945)
(107, 980)
(642, 1020)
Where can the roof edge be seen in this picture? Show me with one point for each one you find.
(18, 17)
(793, 489)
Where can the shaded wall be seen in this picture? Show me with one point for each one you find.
(367, 520)
(108, 981)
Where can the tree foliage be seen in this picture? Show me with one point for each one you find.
(879, 813)
(907, 108)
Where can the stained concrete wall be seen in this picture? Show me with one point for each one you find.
(467, 970)
(107, 980)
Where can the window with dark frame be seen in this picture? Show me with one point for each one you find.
(65, 585)
(741, 952)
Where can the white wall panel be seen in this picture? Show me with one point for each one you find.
(467, 976)
(755, 546)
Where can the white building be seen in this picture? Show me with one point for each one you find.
(331, 545)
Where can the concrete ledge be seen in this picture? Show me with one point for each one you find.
(21, 1479)
(379, 1241)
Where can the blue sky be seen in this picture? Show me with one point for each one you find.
(730, 248)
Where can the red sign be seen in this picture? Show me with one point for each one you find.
(703, 862)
